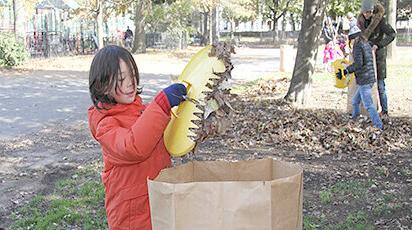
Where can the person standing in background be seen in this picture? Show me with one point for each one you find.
(379, 34)
(128, 38)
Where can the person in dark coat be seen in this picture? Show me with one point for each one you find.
(128, 38)
(364, 70)
(374, 29)
(328, 32)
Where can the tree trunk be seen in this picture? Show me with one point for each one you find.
(213, 26)
(81, 37)
(14, 18)
(100, 24)
(275, 30)
(201, 23)
(292, 21)
(232, 30)
(139, 42)
(19, 16)
(205, 28)
(391, 17)
(308, 42)
(283, 28)
(45, 38)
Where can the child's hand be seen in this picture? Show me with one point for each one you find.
(340, 72)
(175, 93)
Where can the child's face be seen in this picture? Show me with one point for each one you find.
(126, 86)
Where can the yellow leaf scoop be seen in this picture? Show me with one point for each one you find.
(202, 75)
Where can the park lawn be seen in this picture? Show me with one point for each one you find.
(75, 203)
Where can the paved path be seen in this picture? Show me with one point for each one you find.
(251, 64)
(34, 99)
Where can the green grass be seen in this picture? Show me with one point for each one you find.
(354, 189)
(387, 205)
(406, 172)
(311, 222)
(325, 196)
(382, 171)
(353, 221)
(77, 202)
(385, 209)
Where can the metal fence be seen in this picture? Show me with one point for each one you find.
(50, 44)
(404, 37)
(165, 41)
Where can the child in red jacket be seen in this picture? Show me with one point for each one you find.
(130, 135)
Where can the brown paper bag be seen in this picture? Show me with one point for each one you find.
(220, 195)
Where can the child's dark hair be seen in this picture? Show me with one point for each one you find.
(104, 72)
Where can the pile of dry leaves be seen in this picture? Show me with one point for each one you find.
(262, 120)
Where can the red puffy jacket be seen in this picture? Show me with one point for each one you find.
(131, 137)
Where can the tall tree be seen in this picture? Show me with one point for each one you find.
(22, 13)
(206, 7)
(404, 9)
(92, 10)
(235, 11)
(213, 26)
(342, 7)
(173, 18)
(274, 10)
(19, 18)
(308, 43)
(141, 10)
(295, 15)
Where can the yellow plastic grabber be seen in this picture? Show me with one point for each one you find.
(340, 64)
(198, 76)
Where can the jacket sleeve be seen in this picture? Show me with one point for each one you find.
(135, 144)
(388, 35)
(357, 59)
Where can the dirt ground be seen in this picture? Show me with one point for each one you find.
(338, 185)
